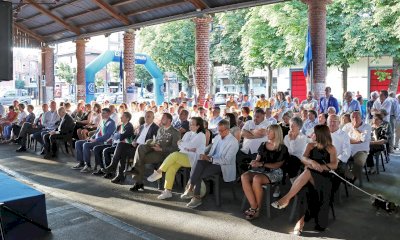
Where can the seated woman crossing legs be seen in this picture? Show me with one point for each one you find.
(191, 146)
(319, 157)
(266, 169)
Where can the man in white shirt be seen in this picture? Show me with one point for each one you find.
(254, 132)
(310, 103)
(341, 142)
(269, 118)
(360, 138)
(386, 103)
(310, 123)
(221, 159)
(253, 99)
(349, 104)
(50, 121)
(114, 115)
(216, 118)
(383, 102)
(125, 151)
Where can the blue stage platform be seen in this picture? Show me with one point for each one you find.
(23, 200)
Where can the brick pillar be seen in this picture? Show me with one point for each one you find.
(80, 69)
(202, 72)
(129, 58)
(48, 72)
(317, 23)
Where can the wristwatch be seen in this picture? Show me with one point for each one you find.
(211, 159)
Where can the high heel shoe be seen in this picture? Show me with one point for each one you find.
(277, 205)
(298, 230)
(252, 213)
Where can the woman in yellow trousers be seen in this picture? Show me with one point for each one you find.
(191, 146)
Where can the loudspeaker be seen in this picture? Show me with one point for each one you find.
(6, 41)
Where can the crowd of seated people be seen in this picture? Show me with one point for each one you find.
(254, 142)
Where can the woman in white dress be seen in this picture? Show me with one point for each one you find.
(191, 146)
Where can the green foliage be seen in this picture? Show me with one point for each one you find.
(273, 36)
(262, 44)
(142, 75)
(383, 76)
(226, 42)
(339, 53)
(19, 84)
(113, 68)
(65, 72)
(99, 81)
(171, 45)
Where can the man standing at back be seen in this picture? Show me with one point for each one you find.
(386, 103)
(328, 101)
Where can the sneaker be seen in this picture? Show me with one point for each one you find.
(86, 169)
(277, 192)
(154, 177)
(165, 194)
(194, 203)
(78, 166)
(187, 194)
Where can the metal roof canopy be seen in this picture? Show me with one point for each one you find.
(55, 21)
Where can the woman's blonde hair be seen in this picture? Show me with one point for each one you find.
(278, 141)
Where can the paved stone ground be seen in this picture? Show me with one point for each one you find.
(82, 206)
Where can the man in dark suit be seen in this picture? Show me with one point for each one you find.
(123, 134)
(155, 151)
(102, 136)
(66, 127)
(125, 150)
(328, 101)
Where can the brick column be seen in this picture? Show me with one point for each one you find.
(202, 72)
(129, 58)
(317, 23)
(80, 69)
(48, 72)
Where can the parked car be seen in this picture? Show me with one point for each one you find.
(221, 97)
(9, 96)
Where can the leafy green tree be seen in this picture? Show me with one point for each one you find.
(226, 43)
(171, 45)
(338, 52)
(113, 69)
(373, 32)
(65, 72)
(387, 18)
(99, 81)
(262, 45)
(143, 75)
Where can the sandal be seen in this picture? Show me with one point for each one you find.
(298, 229)
(252, 213)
